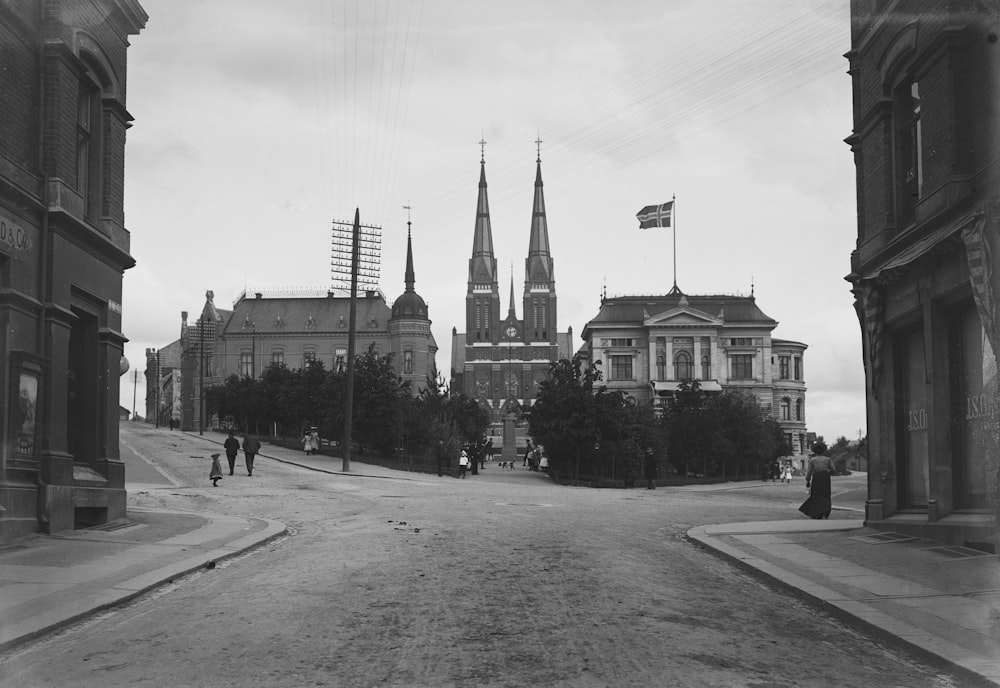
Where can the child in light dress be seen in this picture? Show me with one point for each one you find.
(216, 473)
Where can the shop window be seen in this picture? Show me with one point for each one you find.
(912, 418)
(975, 416)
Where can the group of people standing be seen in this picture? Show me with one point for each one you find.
(250, 446)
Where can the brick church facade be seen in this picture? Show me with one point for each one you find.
(500, 358)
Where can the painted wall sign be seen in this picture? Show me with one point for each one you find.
(980, 406)
(14, 236)
(917, 420)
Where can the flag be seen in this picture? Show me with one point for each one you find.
(656, 215)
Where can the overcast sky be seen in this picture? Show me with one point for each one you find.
(257, 123)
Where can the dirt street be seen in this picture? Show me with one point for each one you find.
(501, 579)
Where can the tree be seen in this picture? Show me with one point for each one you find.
(578, 421)
(378, 400)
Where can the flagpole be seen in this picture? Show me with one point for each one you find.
(673, 217)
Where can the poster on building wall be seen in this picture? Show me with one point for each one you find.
(26, 411)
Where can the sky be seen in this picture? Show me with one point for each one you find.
(257, 124)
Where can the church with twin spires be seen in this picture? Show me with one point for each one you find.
(500, 358)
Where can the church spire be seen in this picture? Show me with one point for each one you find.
(482, 265)
(511, 312)
(539, 263)
(410, 278)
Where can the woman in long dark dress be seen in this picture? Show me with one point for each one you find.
(818, 475)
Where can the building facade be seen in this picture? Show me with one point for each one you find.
(500, 358)
(63, 249)
(263, 330)
(926, 147)
(645, 346)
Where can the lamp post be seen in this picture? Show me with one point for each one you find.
(156, 382)
(201, 376)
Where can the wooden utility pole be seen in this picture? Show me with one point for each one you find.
(351, 336)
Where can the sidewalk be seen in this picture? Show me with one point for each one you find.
(49, 581)
(942, 601)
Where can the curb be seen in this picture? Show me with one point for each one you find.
(892, 629)
(126, 591)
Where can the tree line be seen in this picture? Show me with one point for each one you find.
(386, 415)
(587, 430)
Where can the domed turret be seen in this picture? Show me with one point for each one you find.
(410, 304)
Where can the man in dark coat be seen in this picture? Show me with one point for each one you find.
(232, 447)
(649, 469)
(251, 445)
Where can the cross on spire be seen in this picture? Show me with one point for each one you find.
(482, 149)
(538, 145)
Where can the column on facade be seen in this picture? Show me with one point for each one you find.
(717, 365)
(697, 357)
(668, 357)
(653, 372)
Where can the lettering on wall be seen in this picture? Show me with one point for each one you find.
(981, 406)
(14, 236)
(916, 420)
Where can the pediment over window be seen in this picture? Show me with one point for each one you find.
(682, 317)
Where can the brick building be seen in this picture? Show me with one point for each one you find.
(500, 359)
(263, 329)
(926, 78)
(63, 249)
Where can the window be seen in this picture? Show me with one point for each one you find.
(798, 409)
(909, 157)
(621, 367)
(786, 408)
(88, 144)
(339, 360)
(246, 364)
(798, 367)
(741, 341)
(277, 358)
(661, 367)
(783, 367)
(706, 368)
(683, 366)
(308, 357)
(741, 367)
(621, 342)
(407, 361)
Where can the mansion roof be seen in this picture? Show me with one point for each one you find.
(645, 310)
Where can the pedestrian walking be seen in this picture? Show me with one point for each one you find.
(819, 503)
(310, 442)
(489, 449)
(463, 464)
(649, 469)
(527, 453)
(215, 475)
(232, 447)
(786, 472)
(251, 445)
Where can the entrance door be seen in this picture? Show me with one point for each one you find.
(83, 389)
(912, 419)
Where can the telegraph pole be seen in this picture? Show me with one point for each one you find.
(201, 376)
(352, 334)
